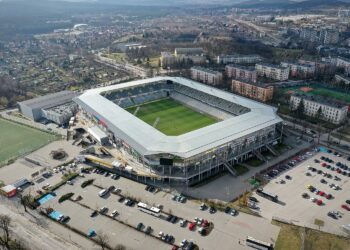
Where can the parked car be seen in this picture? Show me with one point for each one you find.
(251, 198)
(203, 207)
(346, 207)
(139, 226)
(332, 215)
(103, 210)
(212, 210)
(192, 226)
(114, 213)
(94, 213)
(148, 230)
(183, 223)
(305, 196)
(233, 212)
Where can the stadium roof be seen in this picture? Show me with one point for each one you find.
(147, 140)
(51, 100)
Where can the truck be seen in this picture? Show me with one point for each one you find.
(267, 195)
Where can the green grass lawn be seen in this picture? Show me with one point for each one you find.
(174, 118)
(341, 96)
(254, 162)
(16, 140)
(241, 169)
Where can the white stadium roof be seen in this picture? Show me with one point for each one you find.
(148, 140)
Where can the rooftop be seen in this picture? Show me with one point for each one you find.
(210, 71)
(276, 66)
(321, 99)
(147, 140)
(241, 67)
(51, 100)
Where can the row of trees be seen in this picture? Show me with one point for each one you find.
(7, 241)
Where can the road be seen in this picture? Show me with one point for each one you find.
(32, 229)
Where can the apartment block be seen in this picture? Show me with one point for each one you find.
(239, 72)
(238, 59)
(332, 111)
(261, 92)
(275, 72)
(206, 76)
(300, 70)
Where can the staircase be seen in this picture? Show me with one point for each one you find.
(272, 150)
(230, 169)
(228, 166)
(259, 155)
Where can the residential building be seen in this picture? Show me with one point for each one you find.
(329, 36)
(341, 62)
(206, 76)
(240, 72)
(238, 59)
(342, 79)
(275, 72)
(182, 55)
(261, 92)
(321, 67)
(330, 110)
(194, 55)
(300, 70)
(167, 59)
(309, 34)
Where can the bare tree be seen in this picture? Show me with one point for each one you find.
(102, 240)
(119, 247)
(5, 222)
(25, 201)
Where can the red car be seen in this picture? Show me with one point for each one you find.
(329, 196)
(323, 164)
(319, 202)
(346, 207)
(192, 226)
(321, 193)
(205, 223)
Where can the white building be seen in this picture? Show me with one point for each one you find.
(275, 72)
(329, 36)
(182, 55)
(238, 59)
(300, 70)
(205, 75)
(331, 111)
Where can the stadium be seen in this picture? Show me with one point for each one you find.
(179, 130)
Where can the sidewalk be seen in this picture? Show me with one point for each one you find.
(227, 187)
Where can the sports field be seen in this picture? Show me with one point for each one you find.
(315, 90)
(16, 140)
(171, 117)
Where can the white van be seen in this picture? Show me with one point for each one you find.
(103, 192)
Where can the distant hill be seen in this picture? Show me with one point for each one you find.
(293, 4)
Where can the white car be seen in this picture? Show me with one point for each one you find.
(160, 234)
(114, 213)
(313, 199)
(182, 223)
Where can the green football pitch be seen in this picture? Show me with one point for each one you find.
(171, 117)
(16, 140)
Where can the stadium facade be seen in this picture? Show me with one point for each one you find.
(246, 127)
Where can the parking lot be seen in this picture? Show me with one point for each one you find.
(298, 205)
(232, 230)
